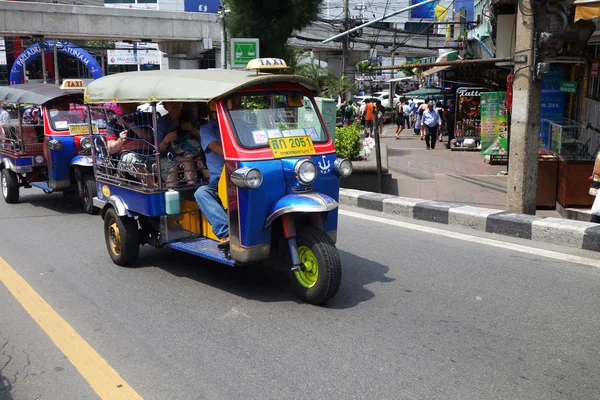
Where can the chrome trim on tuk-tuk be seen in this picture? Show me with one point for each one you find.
(83, 161)
(301, 203)
(118, 204)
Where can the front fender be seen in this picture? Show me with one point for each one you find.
(301, 203)
(82, 161)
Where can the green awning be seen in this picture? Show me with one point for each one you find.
(429, 92)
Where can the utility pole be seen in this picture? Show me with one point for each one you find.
(345, 39)
(43, 54)
(56, 74)
(525, 122)
(222, 14)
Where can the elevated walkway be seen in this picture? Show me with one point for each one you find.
(103, 23)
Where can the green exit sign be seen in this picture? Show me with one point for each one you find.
(568, 87)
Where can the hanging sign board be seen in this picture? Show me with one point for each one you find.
(243, 51)
(468, 123)
(494, 124)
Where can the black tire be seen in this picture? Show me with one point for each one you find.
(121, 237)
(329, 267)
(87, 197)
(9, 186)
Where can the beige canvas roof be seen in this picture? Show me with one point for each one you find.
(180, 85)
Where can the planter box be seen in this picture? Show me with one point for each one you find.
(573, 183)
(547, 182)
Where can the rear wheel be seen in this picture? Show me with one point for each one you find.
(9, 183)
(121, 236)
(320, 280)
(87, 197)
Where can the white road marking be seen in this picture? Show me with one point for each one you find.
(477, 239)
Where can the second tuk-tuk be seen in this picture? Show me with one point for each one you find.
(45, 141)
(279, 185)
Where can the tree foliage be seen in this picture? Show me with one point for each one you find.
(271, 21)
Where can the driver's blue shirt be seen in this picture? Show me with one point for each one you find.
(214, 162)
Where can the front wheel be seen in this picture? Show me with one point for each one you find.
(121, 236)
(320, 280)
(10, 186)
(87, 197)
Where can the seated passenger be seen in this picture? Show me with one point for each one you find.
(207, 196)
(129, 137)
(179, 144)
(4, 116)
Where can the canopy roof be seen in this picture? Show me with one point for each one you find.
(429, 92)
(33, 93)
(180, 85)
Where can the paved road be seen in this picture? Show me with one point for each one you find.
(418, 316)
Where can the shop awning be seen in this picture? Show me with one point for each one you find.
(428, 92)
(587, 9)
(435, 70)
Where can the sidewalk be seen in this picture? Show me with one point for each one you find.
(445, 175)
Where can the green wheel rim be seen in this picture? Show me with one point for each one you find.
(308, 278)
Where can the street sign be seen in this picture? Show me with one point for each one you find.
(568, 87)
(243, 50)
(595, 68)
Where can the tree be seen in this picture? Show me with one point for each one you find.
(271, 21)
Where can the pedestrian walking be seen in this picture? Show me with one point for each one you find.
(400, 119)
(417, 125)
(343, 111)
(431, 121)
(350, 114)
(369, 116)
(379, 116)
(440, 109)
(422, 108)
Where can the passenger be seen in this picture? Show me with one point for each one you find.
(179, 144)
(130, 136)
(207, 196)
(4, 116)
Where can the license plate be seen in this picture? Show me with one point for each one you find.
(293, 146)
(82, 129)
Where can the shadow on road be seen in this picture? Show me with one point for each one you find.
(5, 388)
(56, 202)
(262, 283)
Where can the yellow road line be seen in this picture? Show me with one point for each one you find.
(105, 381)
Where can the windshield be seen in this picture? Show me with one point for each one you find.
(258, 118)
(63, 115)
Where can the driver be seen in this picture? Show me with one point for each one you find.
(207, 196)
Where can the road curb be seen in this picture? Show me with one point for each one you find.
(565, 232)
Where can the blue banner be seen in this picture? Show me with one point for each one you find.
(426, 11)
(203, 6)
(553, 104)
(85, 58)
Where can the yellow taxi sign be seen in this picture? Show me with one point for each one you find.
(72, 84)
(82, 129)
(293, 146)
(266, 63)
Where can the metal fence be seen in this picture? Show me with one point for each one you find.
(128, 155)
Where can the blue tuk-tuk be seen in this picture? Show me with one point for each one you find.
(279, 185)
(45, 141)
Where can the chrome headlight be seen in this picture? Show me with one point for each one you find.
(247, 177)
(85, 144)
(343, 167)
(305, 171)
